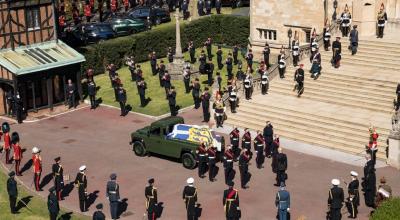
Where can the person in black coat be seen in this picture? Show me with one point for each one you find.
(205, 104)
(71, 94)
(161, 71)
(189, 196)
(230, 201)
(353, 201)
(172, 101)
(12, 191)
(92, 93)
(210, 72)
(281, 165)
(268, 134)
(153, 63)
(52, 204)
(19, 108)
(245, 175)
(142, 86)
(121, 94)
(186, 79)
(235, 52)
(81, 183)
(335, 200)
(58, 175)
(337, 51)
(219, 58)
(112, 193)
(218, 6)
(166, 82)
(196, 93)
(99, 215)
(150, 193)
(369, 182)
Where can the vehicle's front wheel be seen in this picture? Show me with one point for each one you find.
(188, 161)
(139, 148)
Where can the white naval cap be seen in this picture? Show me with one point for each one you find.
(335, 182)
(82, 168)
(190, 180)
(35, 150)
(353, 173)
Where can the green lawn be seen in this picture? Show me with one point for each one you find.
(35, 203)
(158, 104)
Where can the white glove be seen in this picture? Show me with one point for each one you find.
(288, 209)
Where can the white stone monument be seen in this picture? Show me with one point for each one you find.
(175, 69)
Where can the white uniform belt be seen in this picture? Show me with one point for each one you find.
(202, 155)
(211, 157)
(112, 192)
(247, 142)
(235, 139)
(228, 160)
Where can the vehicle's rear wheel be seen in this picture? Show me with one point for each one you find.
(139, 148)
(134, 31)
(188, 161)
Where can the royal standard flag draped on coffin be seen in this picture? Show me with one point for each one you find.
(192, 133)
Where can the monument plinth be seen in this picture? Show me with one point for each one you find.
(175, 68)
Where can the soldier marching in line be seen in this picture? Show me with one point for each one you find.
(186, 79)
(230, 200)
(112, 193)
(345, 19)
(196, 93)
(264, 82)
(189, 196)
(37, 167)
(81, 183)
(335, 201)
(219, 111)
(17, 152)
(5, 127)
(266, 53)
(353, 201)
(205, 104)
(327, 36)
(246, 141)
(58, 175)
(259, 143)
(202, 157)
(382, 20)
(228, 164)
(150, 192)
(192, 52)
(212, 167)
(12, 191)
(161, 72)
(233, 99)
(234, 140)
(245, 176)
(299, 79)
(372, 147)
(282, 64)
(248, 85)
(384, 192)
(229, 65)
(316, 65)
(281, 163)
(296, 49)
(52, 204)
(92, 93)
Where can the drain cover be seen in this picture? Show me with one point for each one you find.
(68, 141)
(137, 121)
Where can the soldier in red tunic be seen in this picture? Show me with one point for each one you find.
(246, 142)
(202, 158)
(234, 138)
(213, 169)
(126, 5)
(88, 12)
(228, 164)
(7, 140)
(372, 147)
(114, 6)
(17, 152)
(37, 167)
(259, 148)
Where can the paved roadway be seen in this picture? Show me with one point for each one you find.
(99, 139)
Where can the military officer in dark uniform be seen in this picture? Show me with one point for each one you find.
(112, 193)
(353, 201)
(219, 58)
(153, 63)
(150, 192)
(258, 143)
(19, 108)
(245, 176)
(369, 182)
(268, 134)
(58, 175)
(186, 79)
(170, 55)
(139, 72)
(246, 141)
(208, 7)
(266, 53)
(282, 163)
(234, 139)
(202, 156)
(299, 78)
(122, 99)
(192, 52)
(249, 59)
(210, 72)
(218, 6)
(202, 60)
(161, 71)
(229, 65)
(233, 99)
(81, 183)
(212, 161)
(228, 164)
(282, 202)
(205, 104)
(189, 196)
(52, 204)
(142, 86)
(166, 82)
(172, 101)
(337, 51)
(335, 200)
(327, 37)
(99, 215)
(230, 200)
(382, 20)
(92, 93)
(200, 7)
(196, 93)
(235, 52)
(12, 191)
(208, 45)
(71, 94)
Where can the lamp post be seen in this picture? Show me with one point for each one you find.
(289, 34)
(335, 5)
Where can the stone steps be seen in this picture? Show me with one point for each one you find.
(376, 43)
(303, 136)
(333, 98)
(363, 62)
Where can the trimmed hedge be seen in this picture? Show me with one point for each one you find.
(388, 210)
(223, 29)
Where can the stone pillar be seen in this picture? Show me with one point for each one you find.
(193, 10)
(175, 68)
(178, 48)
(364, 15)
(391, 9)
(397, 16)
(394, 149)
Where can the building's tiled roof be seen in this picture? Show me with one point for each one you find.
(39, 57)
